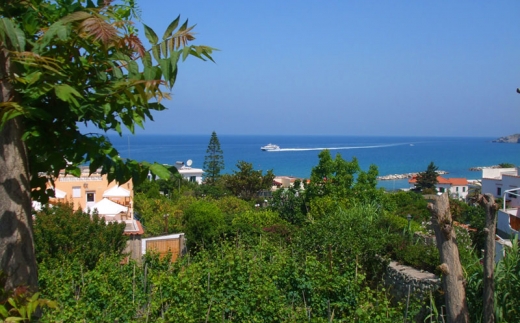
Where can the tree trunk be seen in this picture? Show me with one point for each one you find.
(17, 258)
(489, 258)
(452, 278)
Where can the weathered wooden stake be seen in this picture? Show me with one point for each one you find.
(452, 278)
(488, 299)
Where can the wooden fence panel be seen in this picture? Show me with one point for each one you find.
(164, 246)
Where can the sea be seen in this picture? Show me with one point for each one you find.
(299, 154)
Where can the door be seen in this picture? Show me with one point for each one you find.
(91, 199)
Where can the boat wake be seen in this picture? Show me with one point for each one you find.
(338, 148)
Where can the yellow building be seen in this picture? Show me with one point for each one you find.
(94, 192)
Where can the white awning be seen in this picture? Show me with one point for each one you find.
(116, 191)
(59, 194)
(107, 207)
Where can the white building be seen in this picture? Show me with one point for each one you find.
(497, 180)
(504, 183)
(455, 187)
(189, 173)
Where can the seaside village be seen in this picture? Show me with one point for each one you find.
(93, 193)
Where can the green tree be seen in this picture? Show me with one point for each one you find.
(426, 180)
(203, 223)
(289, 203)
(214, 161)
(65, 63)
(342, 180)
(246, 182)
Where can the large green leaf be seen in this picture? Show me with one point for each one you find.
(150, 35)
(67, 93)
(160, 170)
(10, 33)
(8, 111)
(166, 68)
(171, 28)
(58, 29)
(156, 51)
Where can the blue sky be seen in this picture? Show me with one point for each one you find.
(411, 68)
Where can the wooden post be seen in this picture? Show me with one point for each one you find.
(488, 299)
(452, 277)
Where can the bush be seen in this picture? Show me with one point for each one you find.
(60, 233)
(203, 223)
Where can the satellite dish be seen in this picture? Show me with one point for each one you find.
(189, 162)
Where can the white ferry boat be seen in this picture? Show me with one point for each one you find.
(270, 147)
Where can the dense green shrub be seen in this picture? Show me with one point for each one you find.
(60, 233)
(109, 292)
(410, 202)
(204, 224)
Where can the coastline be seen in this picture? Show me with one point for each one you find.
(392, 177)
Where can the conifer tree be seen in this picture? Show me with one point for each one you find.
(428, 178)
(214, 161)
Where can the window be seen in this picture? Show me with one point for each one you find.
(499, 191)
(441, 189)
(464, 189)
(193, 178)
(91, 197)
(76, 191)
(457, 189)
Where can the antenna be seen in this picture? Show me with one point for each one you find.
(189, 162)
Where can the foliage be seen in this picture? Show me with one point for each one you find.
(334, 177)
(23, 306)
(157, 215)
(375, 306)
(417, 254)
(341, 182)
(317, 277)
(60, 233)
(507, 285)
(204, 224)
(289, 203)
(427, 179)
(322, 206)
(411, 203)
(459, 209)
(151, 189)
(473, 193)
(214, 161)
(231, 205)
(81, 63)
(255, 221)
(506, 165)
(357, 237)
(109, 292)
(246, 182)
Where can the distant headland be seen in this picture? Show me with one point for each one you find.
(511, 139)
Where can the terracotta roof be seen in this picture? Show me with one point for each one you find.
(442, 180)
(133, 227)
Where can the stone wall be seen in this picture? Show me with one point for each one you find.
(398, 278)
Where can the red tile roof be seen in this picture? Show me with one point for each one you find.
(131, 229)
(442, 180)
